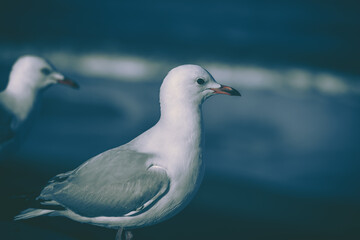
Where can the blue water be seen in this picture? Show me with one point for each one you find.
(282, 160)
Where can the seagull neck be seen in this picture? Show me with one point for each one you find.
(185, 119)
(181, 136)
(20, 99)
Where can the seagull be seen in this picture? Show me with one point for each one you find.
(148, 179)
(29, 76)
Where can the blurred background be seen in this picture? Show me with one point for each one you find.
(282, 161)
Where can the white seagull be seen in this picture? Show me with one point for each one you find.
(147, 180)
(29, 76)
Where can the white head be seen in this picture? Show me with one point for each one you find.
(191, 84)
(32, 73)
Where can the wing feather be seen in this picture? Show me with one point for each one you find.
(114, 183)
(7, 120)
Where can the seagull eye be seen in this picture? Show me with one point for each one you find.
(45, 71)
(200, 81)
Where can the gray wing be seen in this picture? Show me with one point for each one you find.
(114, 183)
(7, 120)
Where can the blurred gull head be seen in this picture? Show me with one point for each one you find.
(32, 73)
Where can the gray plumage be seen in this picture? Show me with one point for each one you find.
(125, 184)
(8, 125)
(149, 179)
(30, 75)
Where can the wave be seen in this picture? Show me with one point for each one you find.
(135, 68)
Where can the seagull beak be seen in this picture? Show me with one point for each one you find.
(68, 82)
(61, 79)
(226, 90)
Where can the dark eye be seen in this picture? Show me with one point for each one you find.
(200, 81)
(45, 71)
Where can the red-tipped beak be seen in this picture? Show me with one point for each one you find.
(226, 90)
(69, 82)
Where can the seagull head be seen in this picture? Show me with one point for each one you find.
(193, 84)
(35, 73)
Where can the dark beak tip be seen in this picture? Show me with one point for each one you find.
(70, 83)
(76, 86)
(233, 92)
(236, 93)
(228, 90)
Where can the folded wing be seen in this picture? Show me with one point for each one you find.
(7, 125)
(115, 183)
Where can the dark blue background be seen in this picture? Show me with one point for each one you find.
(282, 161)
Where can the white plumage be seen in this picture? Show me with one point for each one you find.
(29, 76)
(152, 177)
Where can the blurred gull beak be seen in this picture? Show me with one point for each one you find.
(61, 79)
(69, 82)
(226, 90)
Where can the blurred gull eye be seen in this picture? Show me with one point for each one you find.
(200, 81)
(45, 71)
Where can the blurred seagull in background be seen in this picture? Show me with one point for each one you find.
(147, 180)
(29, 76)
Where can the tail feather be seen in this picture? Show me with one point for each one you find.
(32, 212)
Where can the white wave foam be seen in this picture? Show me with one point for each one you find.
(136, 68)
(284, 79)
